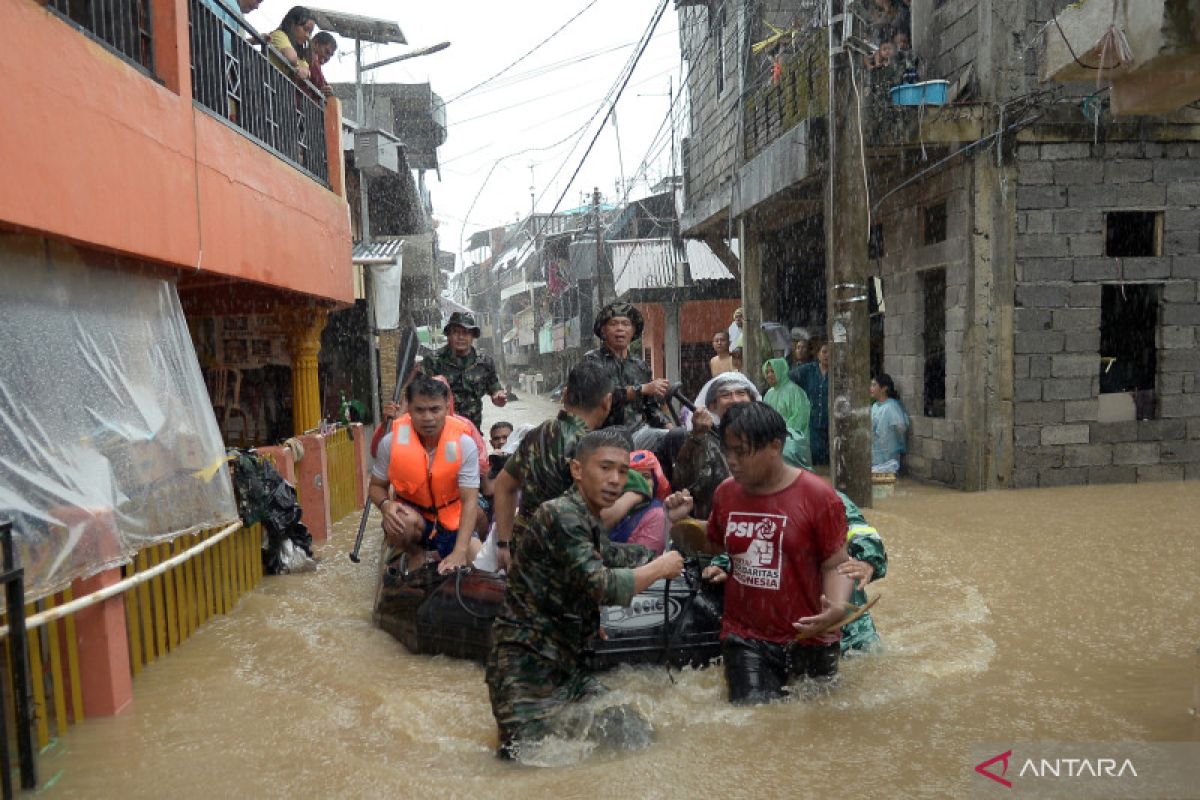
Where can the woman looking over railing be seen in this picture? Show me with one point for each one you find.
(290, 40)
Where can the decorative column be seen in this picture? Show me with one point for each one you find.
(304, 326)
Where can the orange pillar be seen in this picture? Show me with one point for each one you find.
(304, 326)
(333, 147)
(284, 463)
(312, 483)
(102, 639)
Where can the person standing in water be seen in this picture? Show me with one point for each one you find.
(783, 532)
(563, 570)
(889, 425)
(471, 374)
(723, 360)
(636, 393)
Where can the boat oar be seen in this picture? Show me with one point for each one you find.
(406, 357)
(856, 613)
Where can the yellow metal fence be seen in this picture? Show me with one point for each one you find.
(160, 615)
(343, 474)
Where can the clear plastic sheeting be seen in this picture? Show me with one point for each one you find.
(109, 443)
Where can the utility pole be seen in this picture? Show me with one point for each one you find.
(364, 223)
(846, 234)
(605, 287)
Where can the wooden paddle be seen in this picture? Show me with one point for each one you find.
(856, 612)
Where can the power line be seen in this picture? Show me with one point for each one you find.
(527, 54)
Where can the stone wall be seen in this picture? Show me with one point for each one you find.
(1064, 190)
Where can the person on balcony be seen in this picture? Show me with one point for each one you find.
(319, 54)
(636, 393)
(471, 374)
(431, 463)
(290, 41)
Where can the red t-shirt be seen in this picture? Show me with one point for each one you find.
(776, 543)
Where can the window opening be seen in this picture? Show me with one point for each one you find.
(933, 284)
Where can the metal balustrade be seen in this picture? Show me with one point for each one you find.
(233, 77)
(123, 25)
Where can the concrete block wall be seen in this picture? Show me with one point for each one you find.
(1063, 192)
(713, 118)
(937, 446)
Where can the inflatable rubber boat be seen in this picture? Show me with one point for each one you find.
(672, 622)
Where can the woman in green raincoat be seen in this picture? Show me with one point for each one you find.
(868, 562)
(786, 397)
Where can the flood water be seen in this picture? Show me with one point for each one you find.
(1063, 614)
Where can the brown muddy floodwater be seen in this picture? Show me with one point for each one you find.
(1060, 614)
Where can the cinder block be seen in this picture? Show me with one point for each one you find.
(1068, 319)
(1181, 243)
(1040, 342)
(1021, 367)
(1179, 405)
(1082, 341)
(1043, 270)
(1114, 432)
(1043, 413)
(1041, 245)
(1080, 410)
(1084, 295)
(1035, 295)
(1031, 198)
(1193, 429)
(1083, 173)
(1063, 477)
(1068, 388)
(1085, 245)
(1027, 436)
(1128, 171)
(1180, 291)
(1034, 173)
(1032, 319)
(1180, 314)
(1039, 366)
(1095, 269)
(1088, 455)
(1144, 269)
(1059, 151)
(1131, 196)
(1113, 474)
(1065, 434)
(1176, 170)
(1179, 361)
(1185, 267)
(1178, 452)
(1160, 472)
(1072, 221)
(1027, 389)
(1136, 453)
(1074, 366)
(1185, 193)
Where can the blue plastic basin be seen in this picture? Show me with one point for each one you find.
(929, 93)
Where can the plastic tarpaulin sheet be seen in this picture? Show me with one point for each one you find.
(110, 443)
(385, 283)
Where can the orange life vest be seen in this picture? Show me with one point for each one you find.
(431, 488)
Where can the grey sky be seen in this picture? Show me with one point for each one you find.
(509, 116)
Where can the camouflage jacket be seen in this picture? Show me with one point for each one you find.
(563, 570)
(624, 373)
(471, 377)
(865, 545)
(542, 465)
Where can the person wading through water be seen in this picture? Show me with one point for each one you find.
(563, 570)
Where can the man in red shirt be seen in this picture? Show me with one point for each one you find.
(784, 530)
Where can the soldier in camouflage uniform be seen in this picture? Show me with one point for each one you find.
(540, 469)
(564, 569)
(636, 394)
(471, 374)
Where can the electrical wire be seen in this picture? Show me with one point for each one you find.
(526, 55)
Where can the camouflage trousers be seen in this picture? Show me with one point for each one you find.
(534, 698)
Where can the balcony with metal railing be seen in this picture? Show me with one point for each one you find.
(234, 78)
(121, 25)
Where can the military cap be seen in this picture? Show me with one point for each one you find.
(465, 319)
(619, 308)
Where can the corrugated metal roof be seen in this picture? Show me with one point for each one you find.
(376, 251)
(652, 263)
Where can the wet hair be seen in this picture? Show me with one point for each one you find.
(754, 422)
(497, 425)
(587, 385)
(721, 332)
(425, 386)
(325, 37)
(885, 381)
(605, 437)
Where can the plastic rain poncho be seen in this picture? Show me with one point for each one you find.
(787, 398)
(889, 429)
